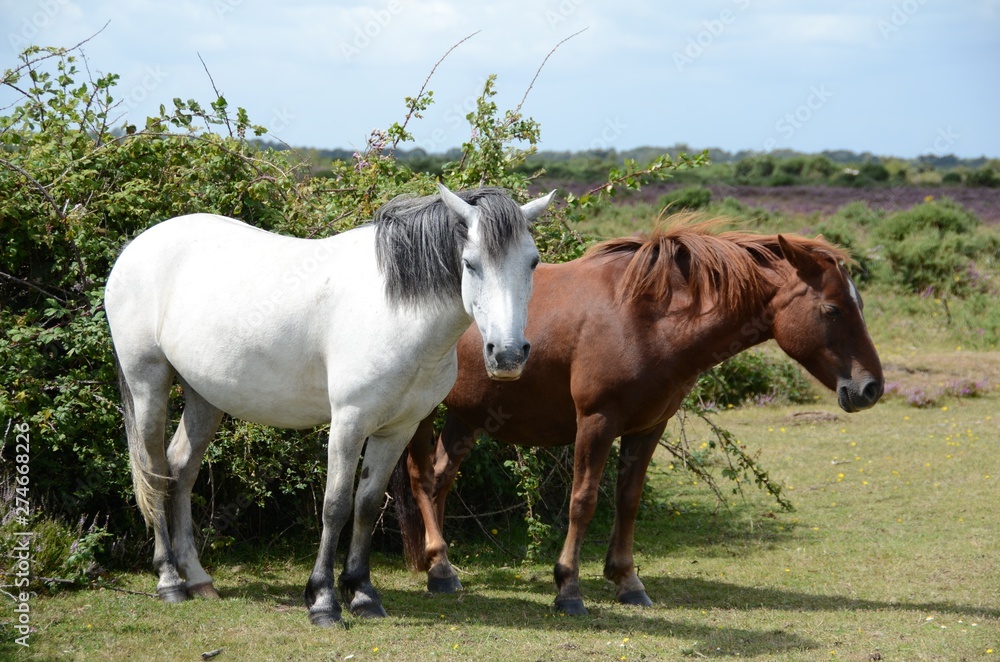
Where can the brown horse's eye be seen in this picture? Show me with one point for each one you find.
(831, 311)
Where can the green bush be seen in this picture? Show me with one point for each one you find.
(933, 247)
(793, 166)
(754, 168)
(984, 177)
(61, 554)
(819, 167)
(859, 213)
(849, 228)
(782, 179)
(876, 172)
(686, 198)
(760, 219)
(752, 376)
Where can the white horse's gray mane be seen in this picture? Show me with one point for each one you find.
(419, 241)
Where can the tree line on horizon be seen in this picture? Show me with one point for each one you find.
(775, 168)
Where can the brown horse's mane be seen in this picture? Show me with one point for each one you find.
(733, 268)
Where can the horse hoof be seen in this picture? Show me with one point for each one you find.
(369, 610)
(325, 618)
(637, 598)
(572, 607)
(172, 593)
(205, 590)
(443, 584)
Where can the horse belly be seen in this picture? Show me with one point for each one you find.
(285, 400)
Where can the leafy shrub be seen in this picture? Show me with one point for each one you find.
(932, 246)
(782, 179)
(60, 553)
(984, 177)
(751, 376)
(687, 198)
(819, 167)
(761, 219)
(860, 214)
(876, 172)
(754, 168)
(952, 178)
(848, 227)
(793, 166)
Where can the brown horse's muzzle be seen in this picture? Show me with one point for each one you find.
(854, 395)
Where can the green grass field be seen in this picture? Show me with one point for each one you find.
(890, 554)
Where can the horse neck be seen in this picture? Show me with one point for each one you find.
(442, 322)
(717, 333)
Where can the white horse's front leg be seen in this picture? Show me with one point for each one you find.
(381, 456)
(346, 441)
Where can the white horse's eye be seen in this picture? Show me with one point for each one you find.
(471, 267)
(534, 263)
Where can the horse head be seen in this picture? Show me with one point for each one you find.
(819, 322)
(498, 262)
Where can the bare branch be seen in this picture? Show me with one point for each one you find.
(532, 84)
(218, 95)
(19, 281)
(423, 87)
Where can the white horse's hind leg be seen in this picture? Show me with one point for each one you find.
(356, 588)
(198, 425)
(346, 440)
(149, 384)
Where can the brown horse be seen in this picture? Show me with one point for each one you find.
(619, 338)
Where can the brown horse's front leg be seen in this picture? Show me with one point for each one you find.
(633, 461)
(593, 444)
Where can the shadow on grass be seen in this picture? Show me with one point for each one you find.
(417, 608)
(696, 593)
(685, 592)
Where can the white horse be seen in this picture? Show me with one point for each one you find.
(357, 330)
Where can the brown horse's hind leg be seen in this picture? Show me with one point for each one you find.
(633, 461)
(593, 444)
(432, 473)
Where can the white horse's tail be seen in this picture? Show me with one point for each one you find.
(147, 496)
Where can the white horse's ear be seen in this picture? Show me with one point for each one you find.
(466, 211)
(532, 210)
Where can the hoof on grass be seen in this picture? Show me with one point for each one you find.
(205, 590)
(325, 618)
(443, 584)
(172, 593)
(637, 598)
(369, 610)
(571, 607)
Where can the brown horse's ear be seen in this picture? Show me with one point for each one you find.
(804, 262)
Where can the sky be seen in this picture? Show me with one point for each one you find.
(892, 77)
